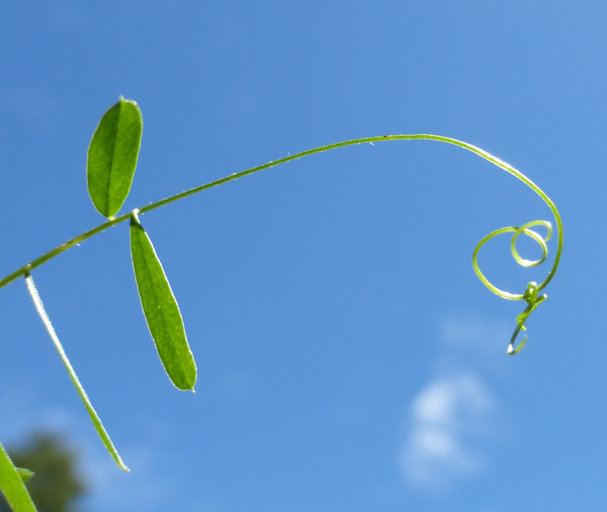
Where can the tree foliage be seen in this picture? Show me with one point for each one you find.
(55, 485)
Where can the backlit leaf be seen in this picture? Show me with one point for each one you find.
(12, 486)
(112, 156)
(105, 438)
(161, 309)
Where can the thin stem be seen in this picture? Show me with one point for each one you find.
(487, 156)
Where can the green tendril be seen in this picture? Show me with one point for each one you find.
(531, 294)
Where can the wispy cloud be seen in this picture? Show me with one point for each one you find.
(472, 331)
(446, 419)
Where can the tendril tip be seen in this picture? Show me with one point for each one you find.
(531, 294)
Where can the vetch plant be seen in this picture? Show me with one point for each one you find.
(111, 163)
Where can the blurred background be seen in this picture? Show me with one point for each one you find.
(56, 484)
(348, 357)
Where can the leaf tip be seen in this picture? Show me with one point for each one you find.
(119, 462)
(25, 474)
(122, 99)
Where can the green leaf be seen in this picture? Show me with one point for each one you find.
(112, 156)
(161, 309)
(12, 486)
(105, 438)
(25, 474)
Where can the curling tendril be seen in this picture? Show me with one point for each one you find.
(531, 294)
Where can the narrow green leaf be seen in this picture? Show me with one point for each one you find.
(105, 438)
(25, 474)
(161, 309)
(112, 156)
(13, 486)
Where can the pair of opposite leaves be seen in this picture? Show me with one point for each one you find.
(111, 163)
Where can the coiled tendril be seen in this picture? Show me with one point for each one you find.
(531, 294)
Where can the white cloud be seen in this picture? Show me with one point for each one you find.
(474, 331)
(447, 419)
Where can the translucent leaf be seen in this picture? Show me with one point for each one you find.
(12, 486)
(105, 438)
(112, 156)
(161, 310)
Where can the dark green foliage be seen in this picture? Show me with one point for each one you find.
(56, 486)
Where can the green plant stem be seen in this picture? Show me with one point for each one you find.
(23, 271)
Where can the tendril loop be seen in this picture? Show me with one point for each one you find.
(531, 294)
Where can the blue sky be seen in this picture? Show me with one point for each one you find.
(348, 357)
